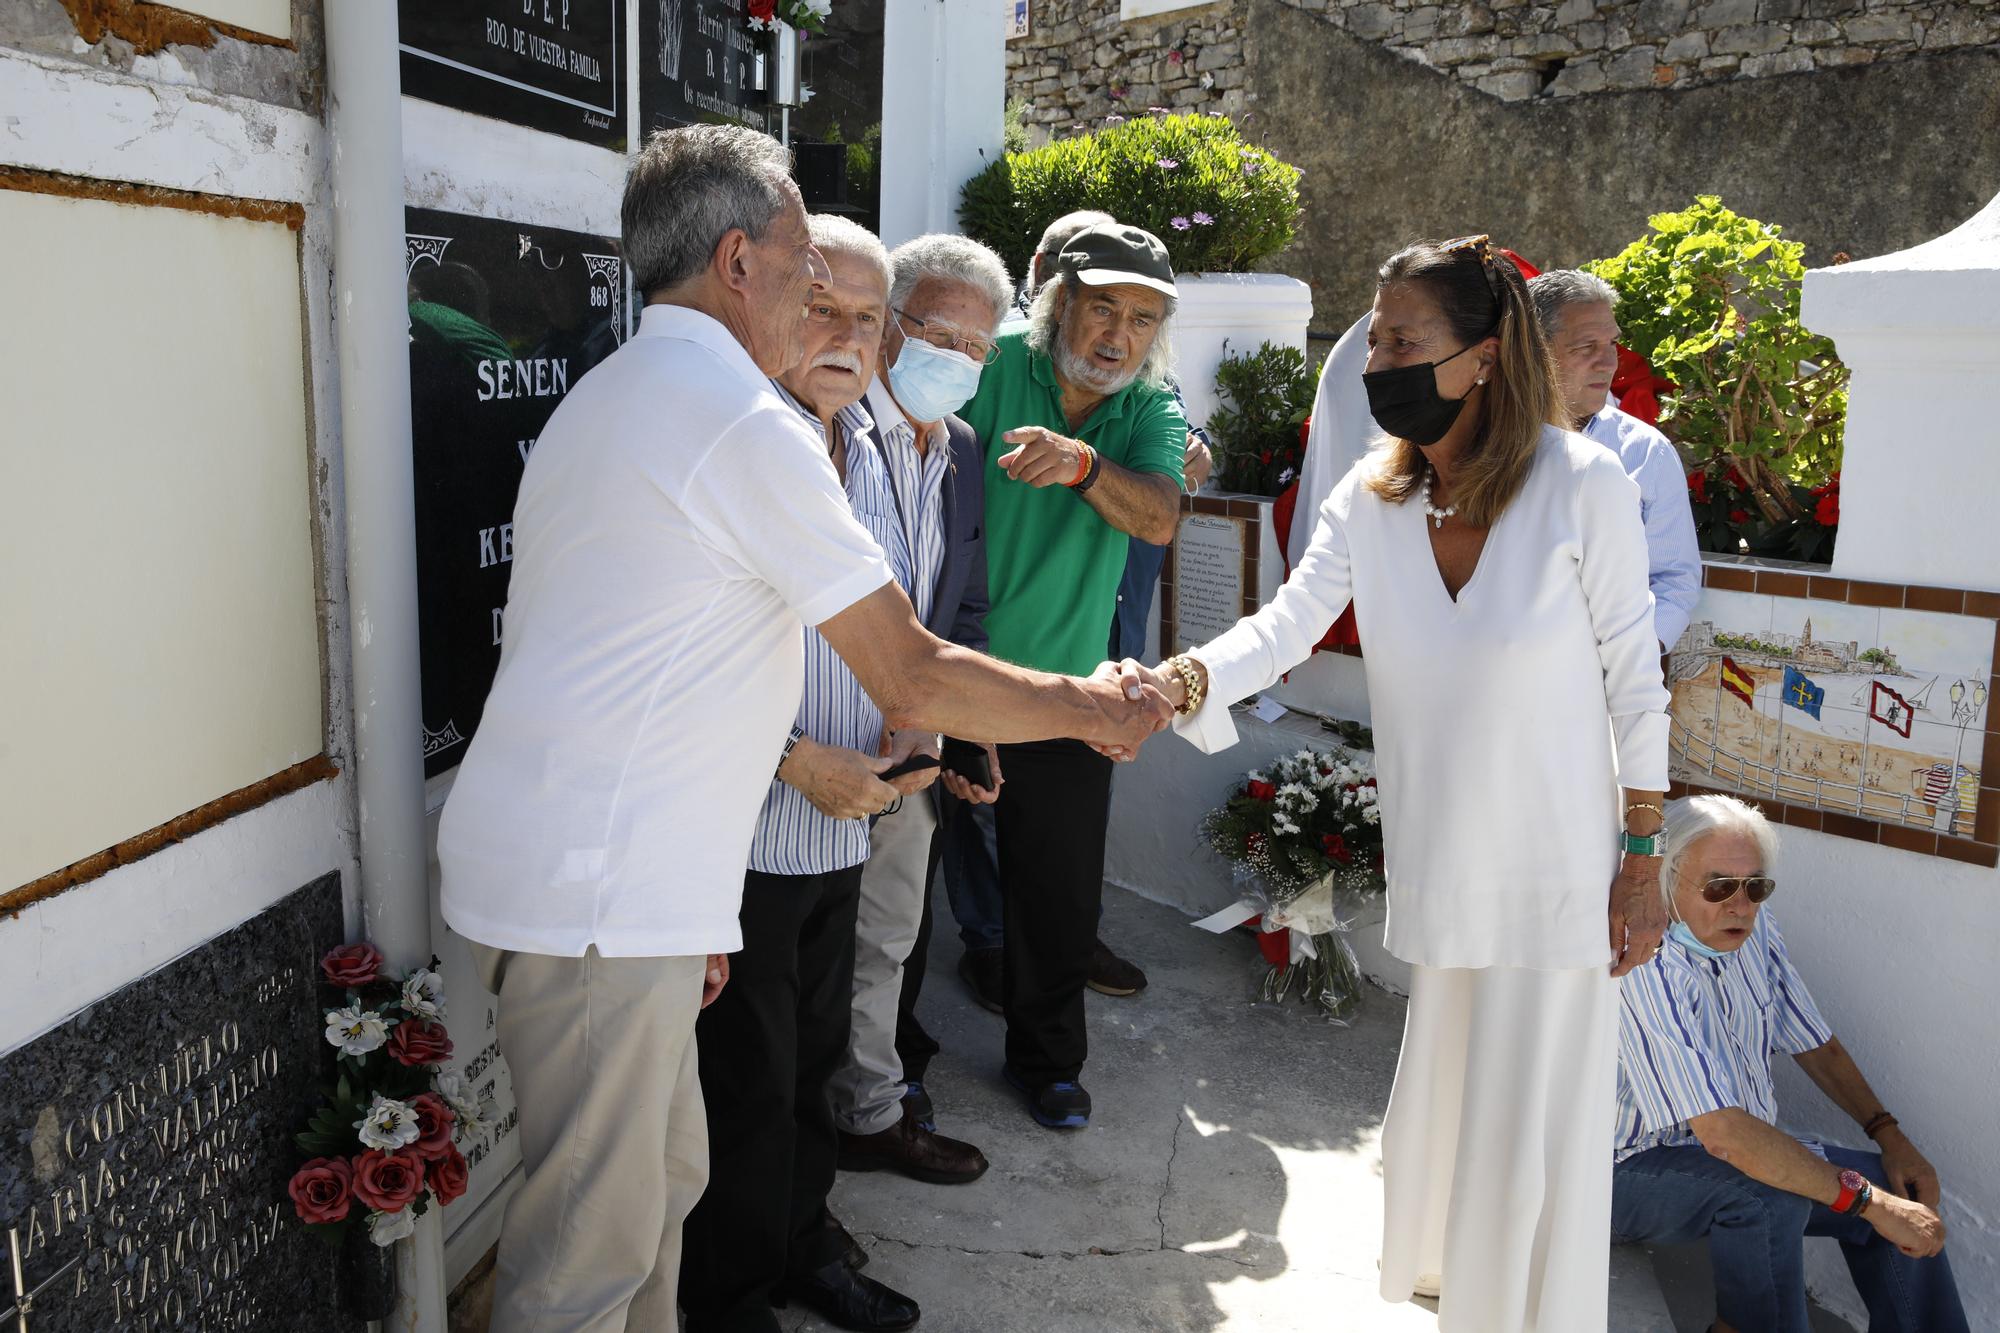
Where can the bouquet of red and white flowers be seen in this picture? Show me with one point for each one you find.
(384, 1139)
(806, 15)
(1296, 832)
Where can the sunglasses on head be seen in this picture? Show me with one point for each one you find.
(1480, 247)
(1721, 888)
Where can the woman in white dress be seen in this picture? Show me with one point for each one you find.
(1497, 567)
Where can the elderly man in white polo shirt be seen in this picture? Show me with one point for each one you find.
(1578, 313)
(677, 525)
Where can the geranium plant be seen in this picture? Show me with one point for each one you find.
(1218, 202)
(1711, 299)
(1266, 397)
(383, 1144)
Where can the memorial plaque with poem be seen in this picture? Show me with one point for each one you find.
(1208, 581)
(149, 1139)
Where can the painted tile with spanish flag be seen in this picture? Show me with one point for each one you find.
(1738, 681)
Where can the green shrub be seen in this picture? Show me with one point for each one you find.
(1164, 173)
(1267, 397)
(1712, 300)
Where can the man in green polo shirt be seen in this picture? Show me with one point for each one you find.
(1083, 452)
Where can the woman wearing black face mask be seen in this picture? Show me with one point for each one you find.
(1497, 567)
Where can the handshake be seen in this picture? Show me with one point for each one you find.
(1135, 701)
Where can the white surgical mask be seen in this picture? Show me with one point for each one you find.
(931, 383)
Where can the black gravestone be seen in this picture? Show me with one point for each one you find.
(698, 64)
(503, 320)
(150, 1138)
(555, 65)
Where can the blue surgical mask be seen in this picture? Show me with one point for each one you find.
(931, 383)
(1683, 932)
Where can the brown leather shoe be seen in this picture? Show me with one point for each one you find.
(910, 1149)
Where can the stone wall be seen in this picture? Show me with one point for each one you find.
(1865, 159)
(1080, 53)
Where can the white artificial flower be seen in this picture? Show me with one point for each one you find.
(388, 1228)
(1285, 477)
(819, 8)
(458, 1095)
(356, 1031)
(389, 1125)
(423, 994)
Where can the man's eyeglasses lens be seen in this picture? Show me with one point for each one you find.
(1723, 888)
(946, 339)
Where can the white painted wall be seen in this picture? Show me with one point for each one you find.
(71, 950)
(1900, 948)
(943, 86)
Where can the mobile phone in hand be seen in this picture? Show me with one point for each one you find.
(968, 760)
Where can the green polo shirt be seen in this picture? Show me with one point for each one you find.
(1052, 565)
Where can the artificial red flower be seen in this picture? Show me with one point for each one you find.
(1698, 486)
(1264, 457)
(1262, 791)
(447, 1176)
(435, 1122)
(1276, 946)
(387, 1181)
(413, 1043)
(1739, 516)
(352, 966)
(323, 1189)
(1827, 511)
(763, 10)
(1335, 848)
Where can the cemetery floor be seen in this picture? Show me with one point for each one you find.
(1230, 1178)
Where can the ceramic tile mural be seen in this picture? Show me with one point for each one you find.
(1879, 712)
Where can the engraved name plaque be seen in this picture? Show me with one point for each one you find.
(1208, 578)
(145, 1144)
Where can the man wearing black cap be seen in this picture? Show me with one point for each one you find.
(1083, 451)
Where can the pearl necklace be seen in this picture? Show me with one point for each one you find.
(1432, 512)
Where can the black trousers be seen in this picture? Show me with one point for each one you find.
(915, 1046)
(767, 1046)
(1051, 818)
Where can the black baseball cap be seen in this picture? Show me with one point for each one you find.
(1112, 253)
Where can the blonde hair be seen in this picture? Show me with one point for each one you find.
(1481, 296)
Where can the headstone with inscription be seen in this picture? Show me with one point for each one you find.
(1208, 578)
(699, 63)
(145, 1144)
(555, 65)
(504, 319)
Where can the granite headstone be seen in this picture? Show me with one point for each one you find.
(555, 65)
(149, 1139)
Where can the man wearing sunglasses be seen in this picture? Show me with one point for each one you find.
(1699, 1153)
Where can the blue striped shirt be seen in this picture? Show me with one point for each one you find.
(917, 489)
(794, 838)
(1697, 1034)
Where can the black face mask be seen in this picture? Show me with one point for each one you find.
(1405, 401)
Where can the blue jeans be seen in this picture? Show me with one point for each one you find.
(1756, 1241)
(969, 860)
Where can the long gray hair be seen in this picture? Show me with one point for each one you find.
(1692, 818)
(1045, 324)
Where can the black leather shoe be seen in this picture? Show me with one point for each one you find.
(979, 969)
(846, 1299)
(1112, 975)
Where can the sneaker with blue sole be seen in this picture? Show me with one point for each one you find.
(1060, 1105)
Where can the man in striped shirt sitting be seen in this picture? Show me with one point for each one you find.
(1698, 1151)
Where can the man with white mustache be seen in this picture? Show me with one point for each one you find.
(1084, 450)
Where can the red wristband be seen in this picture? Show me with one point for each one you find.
(1083, 465)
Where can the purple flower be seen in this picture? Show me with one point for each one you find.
(1178, 224)
(1203, 219)
(1158, 110)
(1119, 90)
(1252, 166)
(1114, 120)
(1175, 56)
(1167, 163)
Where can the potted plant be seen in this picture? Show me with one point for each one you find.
(1220, 203)
(1711, 299)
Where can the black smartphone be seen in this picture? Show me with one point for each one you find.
(968, 760)
(916, 763)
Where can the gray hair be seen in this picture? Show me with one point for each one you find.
(949, 258)
(833, 235)
(1561, 287)
(1045, 322)
(690, 187)
(1692, 818)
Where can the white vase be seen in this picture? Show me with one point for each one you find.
(1232, 314)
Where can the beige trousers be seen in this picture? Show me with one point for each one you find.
(614, 1139)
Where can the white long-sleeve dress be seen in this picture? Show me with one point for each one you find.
(1505, 721)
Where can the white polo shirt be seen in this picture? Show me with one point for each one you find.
(677, 526)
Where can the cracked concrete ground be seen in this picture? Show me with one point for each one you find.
(1230, 1178)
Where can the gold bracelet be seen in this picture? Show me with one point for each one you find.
(1191, 682)
(1645, 805)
